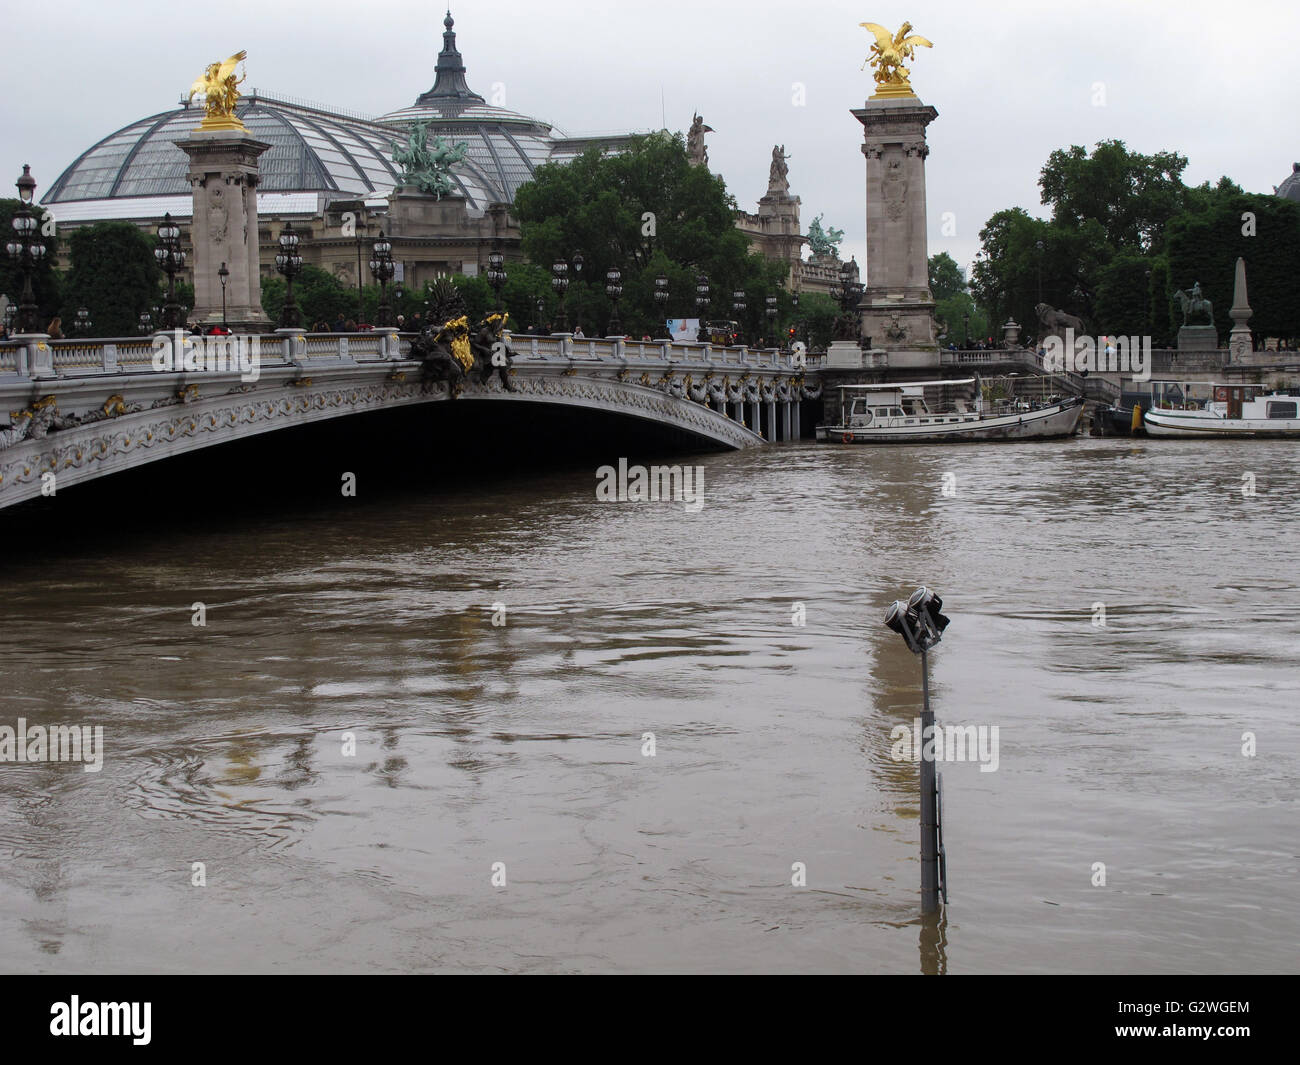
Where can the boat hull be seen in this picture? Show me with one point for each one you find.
(1191, 424)
(1058, 420)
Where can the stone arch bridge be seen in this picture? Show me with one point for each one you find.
(83, 409)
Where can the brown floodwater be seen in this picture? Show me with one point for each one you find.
(522, 743)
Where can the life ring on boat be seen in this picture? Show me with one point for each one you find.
(847, 438)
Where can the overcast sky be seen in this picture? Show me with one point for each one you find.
(1011, 80)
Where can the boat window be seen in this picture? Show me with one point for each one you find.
(897, 412)
(1281, 410)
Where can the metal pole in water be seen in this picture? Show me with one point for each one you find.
(929, 803)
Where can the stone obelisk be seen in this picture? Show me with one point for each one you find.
(897, 307)
(223, 178)
(1241, 344)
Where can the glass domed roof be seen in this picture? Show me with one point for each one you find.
(314, 149)
(1290, 188)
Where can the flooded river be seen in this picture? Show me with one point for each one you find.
(348, 766)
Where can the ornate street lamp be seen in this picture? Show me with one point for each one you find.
(496, 272)
(738, 304)
(798, 322)
(965, 331)
(701, 304)
(382, 268)
(770, 311)
(26, 250)
(171, 259)
(82, 324)
(541, 311)
(224, 274)
(1039, 245)
(289, 263)
(614, 290)
(662, 296)
(11, 309)
(144, 323)
(560, 282)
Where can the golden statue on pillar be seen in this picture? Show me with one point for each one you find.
(218, 84)
(888, 55)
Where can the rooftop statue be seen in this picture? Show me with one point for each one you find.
(695, 147)
(218, 85)
(888, 55)
(427, 167)
(777, 175)
(821, 242)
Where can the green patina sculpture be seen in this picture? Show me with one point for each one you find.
(424, 166)
(823, 242)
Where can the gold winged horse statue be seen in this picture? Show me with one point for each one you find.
(888, 55)
(218, 85)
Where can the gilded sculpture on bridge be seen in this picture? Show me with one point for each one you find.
(219, 86)
(888, 54)
(451, 351)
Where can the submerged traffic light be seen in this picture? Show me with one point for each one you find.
(918, 620)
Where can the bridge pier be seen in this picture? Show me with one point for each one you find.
(755, 417)
(785, 419)
(795, 433)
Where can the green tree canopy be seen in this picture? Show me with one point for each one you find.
(645, 211)
(945, 277)
(113, 274)
(1131, 195)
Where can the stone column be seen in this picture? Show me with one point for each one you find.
(795, 429)
(769, 422)
(785, 419)
(755, 419)
(224, 177)
(897, 306)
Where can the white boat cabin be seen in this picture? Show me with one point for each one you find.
(876, 407)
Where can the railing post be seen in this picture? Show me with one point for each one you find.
(109, 354)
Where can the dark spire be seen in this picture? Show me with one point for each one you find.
(450, 81)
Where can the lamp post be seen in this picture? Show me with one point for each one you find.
(614, 290)
(662, 296)
(224, 274)
(289, 263)
(921, 625)
(383, 268)
(496, 272)
(144, 324)
(1039, 245)
(578, 263)
(770, 311)
(171, 259)
(560, 282)
(82, 324)
(965, 330)
(11, 309)
(26, 250)
(541, 311)
(738, 304)
(701, 304)
(797, 329)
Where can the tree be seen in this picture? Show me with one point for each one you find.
(114, 275)
(45, 279)
(945, 277)
(644, 211)
(1131, 195)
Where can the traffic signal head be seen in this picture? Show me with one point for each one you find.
(902, 620)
